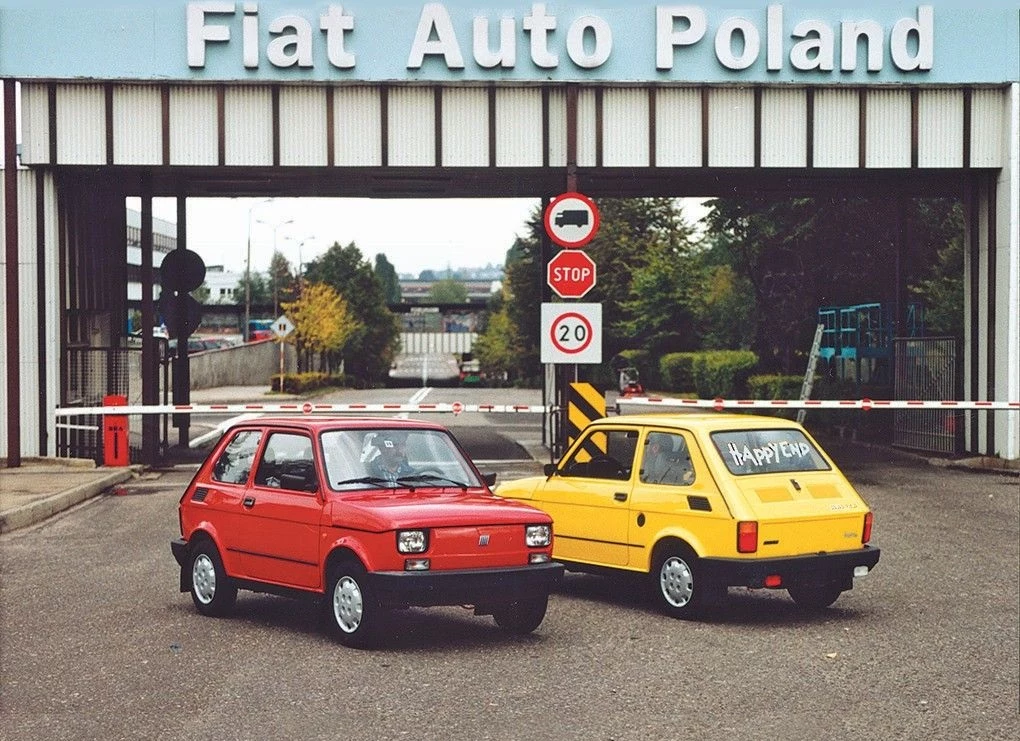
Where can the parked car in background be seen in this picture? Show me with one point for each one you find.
(365, 516)
(135, 338)
(703, 502)
(424, 369)
(199, 344)
(470, 373)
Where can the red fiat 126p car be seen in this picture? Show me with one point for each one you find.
(366, 515)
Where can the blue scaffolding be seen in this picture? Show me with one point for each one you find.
(857, 340)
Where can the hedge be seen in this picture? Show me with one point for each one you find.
(774, 386)
(300, 383)
(709, 373)
(676, 371)
(723, 373)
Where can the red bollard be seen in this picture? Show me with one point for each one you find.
(115, 433)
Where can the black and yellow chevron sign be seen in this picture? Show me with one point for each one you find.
(585, 404)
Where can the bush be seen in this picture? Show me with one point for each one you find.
(723, 373)
(676, 371)
(300, 383)
(774, 386)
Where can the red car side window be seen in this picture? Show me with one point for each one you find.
(287, 463)
(235, 462)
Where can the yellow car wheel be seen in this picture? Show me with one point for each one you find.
(680, 590)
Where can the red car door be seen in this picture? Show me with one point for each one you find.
(278, 534)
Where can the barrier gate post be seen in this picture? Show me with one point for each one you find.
(115, 434)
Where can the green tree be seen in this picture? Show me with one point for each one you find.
(261, 291)
(524, 279)
(370, 350)
(201, 294)
(939, 288)
(498, 346)
(799, 254)
(282, 280)
(660, 315)
(323, 324)
(388, 279)
(448, 291)
(727, 310)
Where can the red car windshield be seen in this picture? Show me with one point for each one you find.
(361, 459)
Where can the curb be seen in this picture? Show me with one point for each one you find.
(41, 509)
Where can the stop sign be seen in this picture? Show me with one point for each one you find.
(571, 273)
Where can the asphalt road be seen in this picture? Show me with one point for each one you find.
(96, 642)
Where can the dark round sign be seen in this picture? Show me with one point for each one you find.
(182, 271)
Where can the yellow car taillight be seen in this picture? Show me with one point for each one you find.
(866, 534)
(747, 537)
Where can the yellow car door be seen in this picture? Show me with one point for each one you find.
(588, 498)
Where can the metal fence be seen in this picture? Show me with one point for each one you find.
(91, 375)
(927, 368)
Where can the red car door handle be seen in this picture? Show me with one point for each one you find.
(248, 502)
(620, 496)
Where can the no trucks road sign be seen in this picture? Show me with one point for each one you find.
(571, 219)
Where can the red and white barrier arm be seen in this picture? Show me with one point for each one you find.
(862, 404)
(458, 408)
(301, 408)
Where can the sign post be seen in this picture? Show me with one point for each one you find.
(281, 328)
(571, 333)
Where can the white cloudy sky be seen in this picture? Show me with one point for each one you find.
(414, 235)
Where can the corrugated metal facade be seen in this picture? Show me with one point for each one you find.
(731, 128)
(837, 128)
(465, 127)
(193, 126)
(783, 128)
(39, 313)
(302, 127)
(357, 116)
(519, 127)
(678, 127)
(745, 126)
(81, 125)
(137, 123)
(451, 343)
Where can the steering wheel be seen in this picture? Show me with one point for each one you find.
(607, 466)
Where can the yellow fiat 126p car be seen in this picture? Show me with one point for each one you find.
(702, 502)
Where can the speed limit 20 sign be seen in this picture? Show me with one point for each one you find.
(571, 333)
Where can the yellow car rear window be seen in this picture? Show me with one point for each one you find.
(747, 452)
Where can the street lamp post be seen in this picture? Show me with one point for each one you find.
(300, 262)
(246, 331)
(276, 228)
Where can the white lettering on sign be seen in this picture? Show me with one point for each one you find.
(767, 454)
(573, 275)
(738, 40)
(291, 39)
(538, 25)
(435, 36)
(506, 55)
(603, 36)
(738, 43)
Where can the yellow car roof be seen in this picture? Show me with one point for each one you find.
(705, 421)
